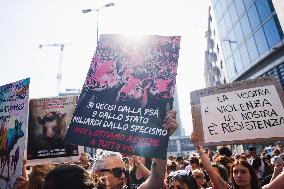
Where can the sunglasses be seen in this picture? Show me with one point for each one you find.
(117, 172)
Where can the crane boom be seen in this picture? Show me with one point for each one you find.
(59, 74)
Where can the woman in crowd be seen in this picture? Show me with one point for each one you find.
(199, 178)
(68, 177)
(242, 173)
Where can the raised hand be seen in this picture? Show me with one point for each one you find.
(170, 122)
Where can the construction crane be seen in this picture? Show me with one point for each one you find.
(59, 74)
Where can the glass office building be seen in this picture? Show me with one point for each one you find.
(251, 38)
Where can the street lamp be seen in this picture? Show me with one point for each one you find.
(97, 11)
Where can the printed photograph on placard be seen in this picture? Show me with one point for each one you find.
(14, 98)
(49, 119)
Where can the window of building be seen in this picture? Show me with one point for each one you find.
(248, 3)
(223, 29)
(228, 21)
(223, 6)
(263, 8)
(253, 17)
(218, 10)
(226, 49)
(271, 32)
(229, 2)
(232, 71)
(239, 6)
(239, 33)
(238, 61)
(245, 25)
(261, 42)
(233, 13)
(244, 55)
(253, 53)
(232, 40)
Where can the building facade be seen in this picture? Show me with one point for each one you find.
(180, 131)
(214, 70)
(251, 37)
(180, 146)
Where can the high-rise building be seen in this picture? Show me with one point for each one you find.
(251, 37)
(180, 130)
(214, 69)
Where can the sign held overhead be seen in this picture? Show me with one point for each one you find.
(241, 112)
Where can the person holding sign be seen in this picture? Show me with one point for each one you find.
(242, 173)
(111, 169)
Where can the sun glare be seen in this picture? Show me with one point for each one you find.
(134, 38)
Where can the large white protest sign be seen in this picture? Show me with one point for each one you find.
(247, 111)
(240, 114)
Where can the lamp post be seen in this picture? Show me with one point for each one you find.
(97, 11)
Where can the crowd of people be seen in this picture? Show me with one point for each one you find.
(202, 170)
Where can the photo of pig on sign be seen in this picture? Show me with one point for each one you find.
(128, 89)
(245, 111)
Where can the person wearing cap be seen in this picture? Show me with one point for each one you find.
(256, 162)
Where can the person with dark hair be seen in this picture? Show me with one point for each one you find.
(261, 168)
(37, 175)
(276, 152)
(221, 170)
(182, 179)
(227, 163)
(224, 151)
(242, 173)
(68, 177)
(172, 166)
(194, 162)
(181, 164)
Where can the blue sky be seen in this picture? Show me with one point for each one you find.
(27, 24)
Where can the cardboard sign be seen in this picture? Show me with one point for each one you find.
(246, 111)
(49, 119)
(14, 98)
(125, 95)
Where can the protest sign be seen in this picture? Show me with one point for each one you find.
(14, 98)
(125, 96)
(49, 119)
(249, 111)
